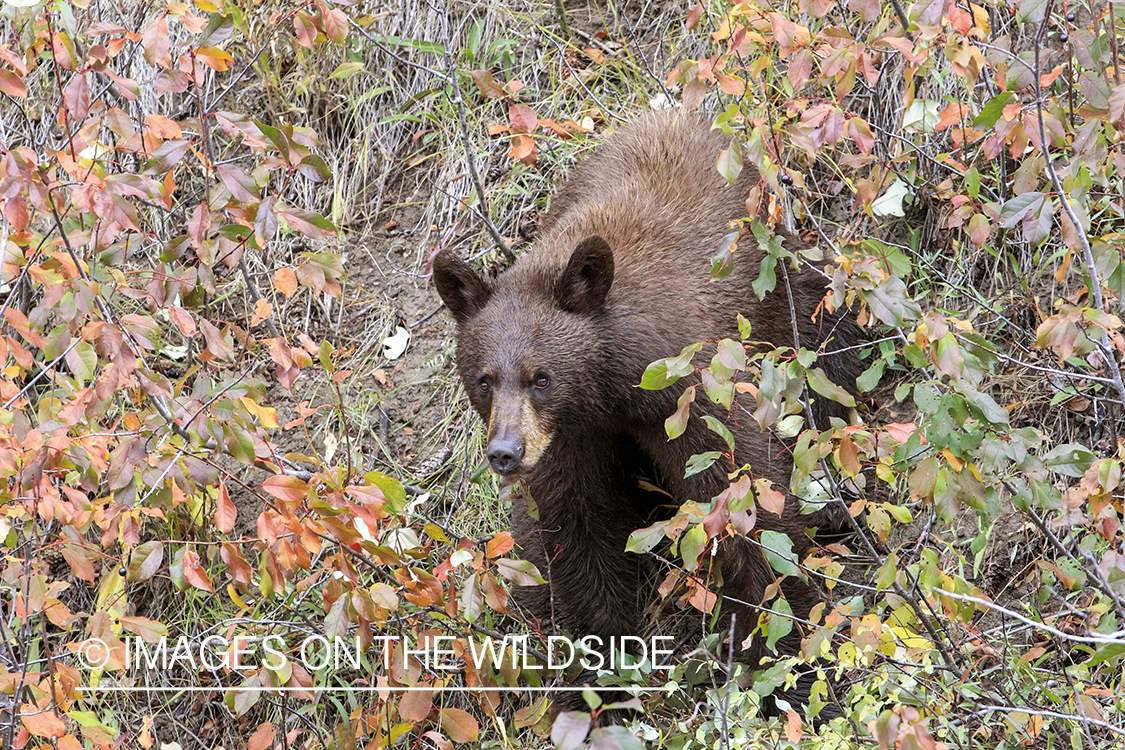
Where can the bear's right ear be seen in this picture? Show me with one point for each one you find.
(464, 291)
(588, 276)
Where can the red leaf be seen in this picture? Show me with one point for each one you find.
(415, 705)
(523, 119)
(216, 342)
(198, 225)
(76, 98)
(155, 41)
(336, 25)
(483, 80)
(306, 30)
(183, 320)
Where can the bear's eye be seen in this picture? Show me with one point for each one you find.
(484, 385)
(542, 381)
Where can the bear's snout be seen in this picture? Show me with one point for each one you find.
(504, 455)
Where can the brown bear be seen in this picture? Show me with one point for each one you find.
(551, 353)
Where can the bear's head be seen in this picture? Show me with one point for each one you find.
(530, 347)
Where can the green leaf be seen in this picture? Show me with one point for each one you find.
(745, 329)
(720, 429)
(420, 45)
(767, 277)
(519, 572)
(701, 462)
(1070, 459)
(691, 546)
(643, 540)
(780, 623)
(722, 262)
(83, 362)
(778, 549)
(972, 182)
(890, 302)
(898, 512)
(885, 576)
(664, 372)
(985, 404)
(948, 356)
(819, 382)
(719, 392)
(1013, 211)
(346, 70)
(675, 425)
(870, 377)
(1030, 11)
(730, 162)
(992, 110)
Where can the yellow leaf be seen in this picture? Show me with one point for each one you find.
(266, 415)
(234, 597)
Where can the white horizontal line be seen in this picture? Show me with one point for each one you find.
(359, 689)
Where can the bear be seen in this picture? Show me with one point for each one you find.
(552, 350)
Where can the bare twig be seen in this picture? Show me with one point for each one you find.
(1087, 252)
(459, 102)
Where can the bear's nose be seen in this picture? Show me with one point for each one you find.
(504, 455)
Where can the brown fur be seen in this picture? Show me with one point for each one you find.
(618, 279)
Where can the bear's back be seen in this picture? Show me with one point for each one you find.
(668, 157)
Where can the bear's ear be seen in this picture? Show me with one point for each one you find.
(464, 291)
(588, 276)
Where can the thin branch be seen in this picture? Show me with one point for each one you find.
(1112, 639)
(1087, 252)
(459, 102)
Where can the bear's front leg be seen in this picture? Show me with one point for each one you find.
(585, 513)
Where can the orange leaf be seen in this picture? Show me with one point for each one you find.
(162, 127)
(459, 725)
(285, 281)
(194, 572)
(952, 115)
(525, 149)
(793, 727)
(12, 85)
(769, 498)
(285, 488)
(500, 544)
(41, 722)
(225, 512)
(262, 737)
(262, 310)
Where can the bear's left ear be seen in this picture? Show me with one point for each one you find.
(464, 291)
(588, 276)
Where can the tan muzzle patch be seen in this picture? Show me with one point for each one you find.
(516, 418)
